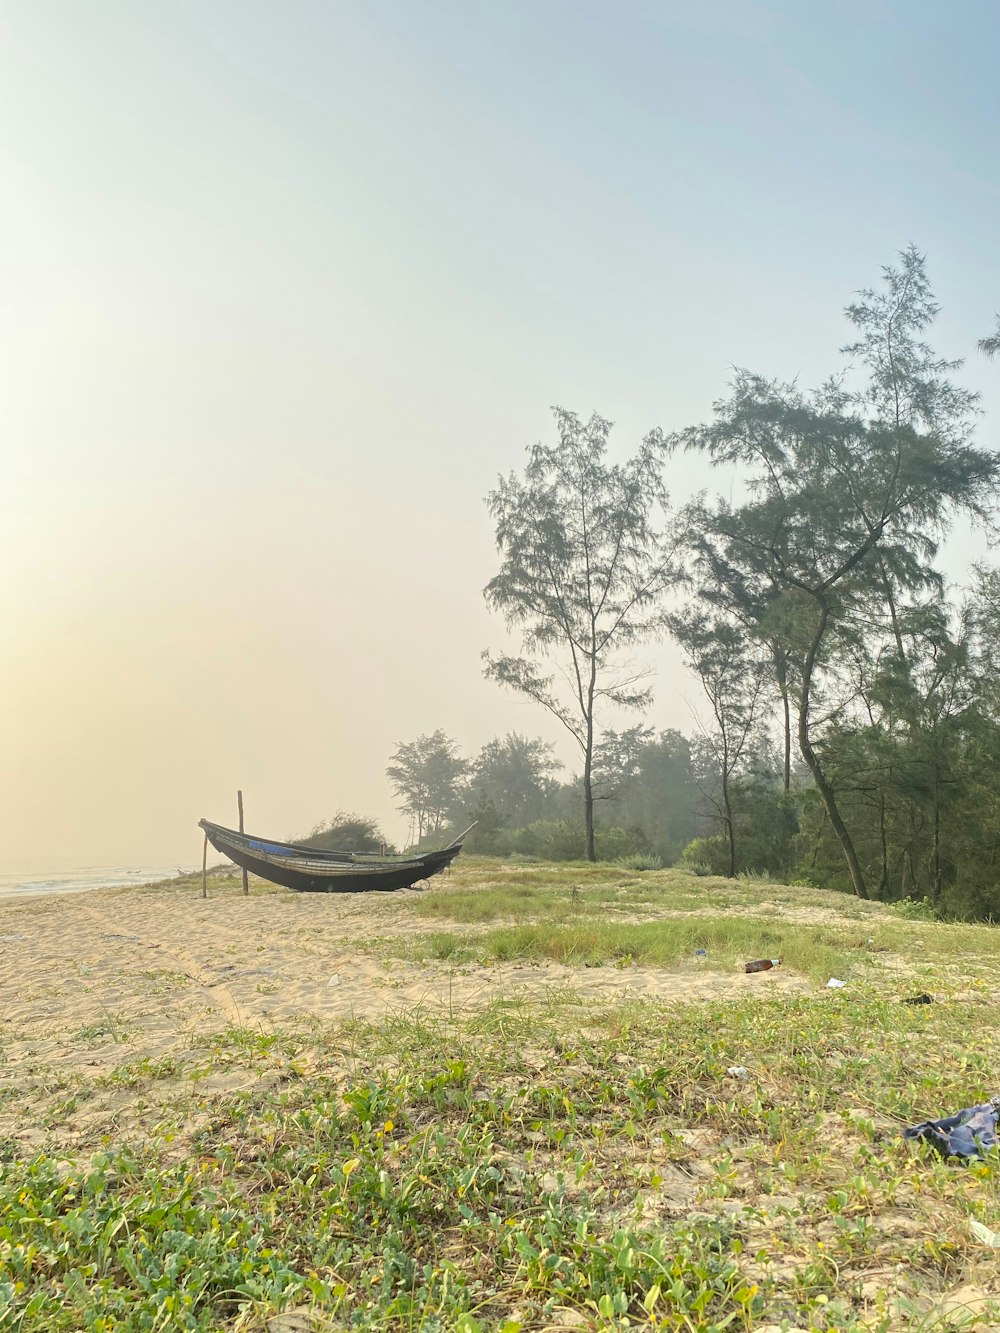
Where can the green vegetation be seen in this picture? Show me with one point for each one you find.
(852, 728)
(640, 861)
(583, 571)
(542, 1158)
(348, 832)
(518, 1168)
(815, 952)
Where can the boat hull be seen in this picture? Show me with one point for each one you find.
(308, 870)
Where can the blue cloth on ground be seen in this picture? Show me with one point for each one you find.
(967, 1134)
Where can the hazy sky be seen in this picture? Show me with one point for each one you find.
(285, 286)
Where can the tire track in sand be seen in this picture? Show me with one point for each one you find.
(218, 992)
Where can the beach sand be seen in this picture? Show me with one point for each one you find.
(142, 979)
(148, 1013)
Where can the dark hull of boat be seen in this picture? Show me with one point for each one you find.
(307, 870)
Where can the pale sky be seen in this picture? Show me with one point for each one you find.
(285, 286)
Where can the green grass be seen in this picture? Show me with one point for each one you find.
(529, 1164)
(544, 1160)
(818, 952)
(568, 892)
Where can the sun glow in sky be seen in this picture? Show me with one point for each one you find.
(284, 287)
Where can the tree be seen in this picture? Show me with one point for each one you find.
(991, 346)
(583, 569)
(428, 774)
(347, 832)
(897, 762)
(662, 798)
(514, 774)
(733, 672)
(848, 491)
(617, 759)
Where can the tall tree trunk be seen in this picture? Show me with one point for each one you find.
(588, 806)
(811, 758)
(883, 888)
(937, 836)
(894, 618)
(781, 672)
(727, 806)
(588, 764)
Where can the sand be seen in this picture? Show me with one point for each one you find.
(98, 988)
(89, 982)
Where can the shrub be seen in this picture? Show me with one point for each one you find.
(640, 861)
(712, 854)
(550, 840)
(348, 832)
(915, 909)
(614, 843)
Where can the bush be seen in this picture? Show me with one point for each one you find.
(711, 854)
(348, 832)
(550, 840)
(640, 861)
(565, 840)
(614, 843)
(916, 909)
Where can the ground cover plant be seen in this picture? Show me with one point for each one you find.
(543, 1160)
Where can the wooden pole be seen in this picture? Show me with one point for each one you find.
(204, 869)
(239, 799)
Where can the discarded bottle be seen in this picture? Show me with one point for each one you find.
(920, 999)
(761, 964)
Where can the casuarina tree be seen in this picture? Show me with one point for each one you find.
(733, 668)
(991, 346)
(429, 775)
(515, 773)
(584, 566)
(844, 494)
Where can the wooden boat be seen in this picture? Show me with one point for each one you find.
(313, 870)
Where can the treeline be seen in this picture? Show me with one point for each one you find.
(658, 798)
(647, 788)
(853, 715)
(852, 733)
(915, 765)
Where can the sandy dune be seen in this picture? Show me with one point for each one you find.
(89, 980)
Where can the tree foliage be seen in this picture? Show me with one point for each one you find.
(733, 671)
(428, 774)
(515, 774)
(991, 346)
(848, 491)
(582, 574)
(348, 832)
(816, 615)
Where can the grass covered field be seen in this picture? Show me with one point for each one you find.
(536, 1130)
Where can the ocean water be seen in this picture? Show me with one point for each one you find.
(13, 883)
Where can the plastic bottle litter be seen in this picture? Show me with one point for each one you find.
(738, 1071)
(919, 999)
(983, 1233)
(761, 964)
(835, 983)
(701, 953)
